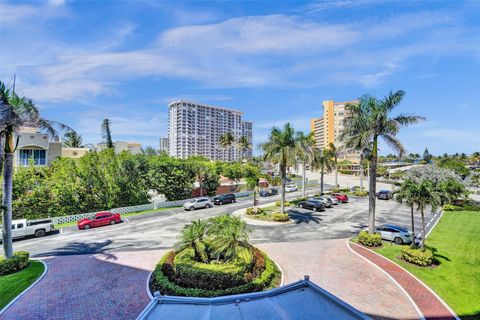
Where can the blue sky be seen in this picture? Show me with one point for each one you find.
(83, 61)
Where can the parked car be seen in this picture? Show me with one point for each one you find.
(384, 194)
(100, 219)
(394, 233)
(334, 199)
(291, 187)
(22, 228)
(198, 203)
(341, 197)
(224, 198)
(326, 201)
(312, 204)
(268, 192)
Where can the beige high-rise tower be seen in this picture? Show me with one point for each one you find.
(327, 129)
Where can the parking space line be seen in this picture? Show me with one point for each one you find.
(126, 219)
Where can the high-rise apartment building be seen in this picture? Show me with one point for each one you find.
(328, 128)
(195, 129)
(163, 146)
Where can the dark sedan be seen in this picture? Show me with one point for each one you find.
(312, 205)
(384, 194)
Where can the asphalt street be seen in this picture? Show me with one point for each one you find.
(160, 230)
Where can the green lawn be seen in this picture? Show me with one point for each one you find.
(11, 285)
(456, 242)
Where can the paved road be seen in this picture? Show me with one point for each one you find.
(160, 230)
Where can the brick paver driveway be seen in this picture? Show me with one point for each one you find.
(102, 286)
(112, 285)
(331, 265)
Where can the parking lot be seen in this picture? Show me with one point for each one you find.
(160, 230)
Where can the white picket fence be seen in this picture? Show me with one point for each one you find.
(142, 207)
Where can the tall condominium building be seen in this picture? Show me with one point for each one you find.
(195, 129)
(327, 129)
(163, 146)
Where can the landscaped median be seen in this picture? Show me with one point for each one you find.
(213, 258)
(450, 265)
(16, 275)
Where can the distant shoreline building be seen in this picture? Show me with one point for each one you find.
(119, 146)
(163, 145)
(195, 129)
(328, 128)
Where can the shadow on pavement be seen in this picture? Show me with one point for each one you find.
(74, 248)
(304, 217)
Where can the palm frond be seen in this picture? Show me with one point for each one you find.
(394, 143)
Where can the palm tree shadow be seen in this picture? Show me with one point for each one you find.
(304, 217)
(74, 248)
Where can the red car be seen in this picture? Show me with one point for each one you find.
(100, 219)
(341, 197)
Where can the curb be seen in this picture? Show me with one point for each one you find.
(147, 285)
(417, 309)
(413, 276)
(24, 291)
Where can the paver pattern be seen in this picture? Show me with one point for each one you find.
(332, 266)
(430, 306)
(103, 286)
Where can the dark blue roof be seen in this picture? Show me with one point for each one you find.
(300, 300)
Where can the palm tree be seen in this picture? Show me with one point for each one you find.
(226, 141)
(305, 145)
(230, 236)
(16, 112)
(426, 196)
(243, 145)
(107, 133)
(252, 184)
(335, 152)
(408, 194)
(281, 147)
(193, 236)
(366, 122)
(72, 140)
(322, 160)
(150, 151)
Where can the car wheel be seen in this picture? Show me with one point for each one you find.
(112, 222)
(300, 205)
(208, 206)
(40, 233)
(86, 227)
(192, 208)
(398, 240)
(220, 202)
(317, 209)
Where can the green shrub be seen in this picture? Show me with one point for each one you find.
(279, 203)
(369, 240)
(340, 190)
(253, 211)
(416, 256)
(265, 275)
(297, 200)
(15, 263)
(280, 217)
(359, 193)
(466, 207)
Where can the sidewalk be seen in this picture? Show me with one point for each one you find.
(431, 306)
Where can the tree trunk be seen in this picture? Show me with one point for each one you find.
(254, 197)
(336, 175)
(372, 188)
(303, 178)
(321, 179)
(424, 234)
(7, 206)
(361, 174)
(283, 172)
(413, 221)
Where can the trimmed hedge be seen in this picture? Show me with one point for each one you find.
(279, 203)
(253, 211)
(359, 193)
(15, 263)
(369, 240)
(466, 207)
(417, 256)
(264, 275)
(281, 217)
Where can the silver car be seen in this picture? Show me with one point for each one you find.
(198, 203)
(394, 233)
(326, 201)
(334, 199)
